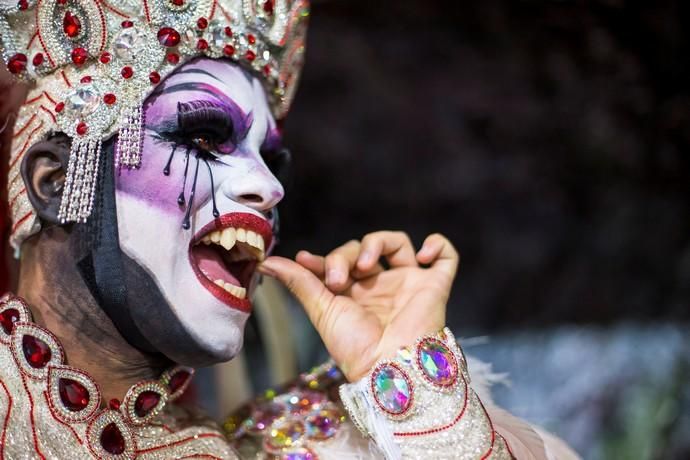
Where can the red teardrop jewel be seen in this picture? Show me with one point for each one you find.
(251, 39)
(114, 404)
(71, 25)
(36, 351)
(17, 63)
(8, 318)
(250, 55)
(146, 402)
(79, 56)
(167, 36)
(178, 380)
(112, 440)
(59, 107)
(201, 44)
(73, 394)
(154, 77)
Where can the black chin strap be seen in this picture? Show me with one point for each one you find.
(101, 264)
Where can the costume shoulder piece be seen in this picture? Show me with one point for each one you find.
(50, 410)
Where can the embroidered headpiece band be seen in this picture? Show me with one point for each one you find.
(94, 62)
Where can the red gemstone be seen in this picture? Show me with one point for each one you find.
(251, 38)
(59, 106)
(202, 23)
(8, 318)
(17, 63)
(36, 351)
(178, 2)
(38, 59)
(268, 6)
(154, 77)
(105, 57)
(250, 55)
(127, 24)
(229, 50)
(82, 128)
(62, 2)
(109, 98)
(146, 402)
(71, 25)
(79, 56)
(114, 404)
(228, 31)
(73, 394)
(201, 44)
(86, 79)
(267, 70)
(127, 72)
(172, 58)
(167, 36)
(112, 439)
(23, 4)
(178, 380)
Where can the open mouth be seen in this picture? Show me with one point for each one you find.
(224, 255)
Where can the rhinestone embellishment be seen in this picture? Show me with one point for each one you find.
(437, 363)
(392, 389)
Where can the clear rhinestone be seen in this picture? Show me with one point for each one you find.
(82, 101)
(127, 43)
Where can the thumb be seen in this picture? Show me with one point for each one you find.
(302, 283)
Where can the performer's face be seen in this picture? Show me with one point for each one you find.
(207, 130)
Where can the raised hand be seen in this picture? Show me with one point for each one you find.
(363, 311)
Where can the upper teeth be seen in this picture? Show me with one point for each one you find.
(228, 237)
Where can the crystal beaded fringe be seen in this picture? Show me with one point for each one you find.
(129, 138)
(80, 182)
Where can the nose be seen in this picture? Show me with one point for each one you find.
(257, 189)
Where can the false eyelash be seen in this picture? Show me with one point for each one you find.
(207, 116)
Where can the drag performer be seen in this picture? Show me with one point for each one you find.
(142, 142)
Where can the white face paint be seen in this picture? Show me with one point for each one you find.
(220, 115)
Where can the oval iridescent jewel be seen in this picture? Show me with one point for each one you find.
(82, 101)
(437, 362)
(285, 434)
(392, 389)
(299, 454)
(127, 43)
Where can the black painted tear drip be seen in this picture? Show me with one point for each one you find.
(185, 223)
(213, 189)
(166, 170)
(180, 198)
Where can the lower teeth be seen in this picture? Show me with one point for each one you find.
(237, 291)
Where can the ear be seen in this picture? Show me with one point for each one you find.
(43, 170)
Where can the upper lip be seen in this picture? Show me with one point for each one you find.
(238, 220)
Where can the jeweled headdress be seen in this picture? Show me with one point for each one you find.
(94, 62)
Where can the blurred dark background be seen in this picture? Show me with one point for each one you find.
(549, 140)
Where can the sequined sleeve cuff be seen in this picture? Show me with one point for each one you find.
(420, 402)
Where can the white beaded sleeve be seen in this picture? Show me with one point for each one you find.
(420, 405)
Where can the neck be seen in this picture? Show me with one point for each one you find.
(62, 303)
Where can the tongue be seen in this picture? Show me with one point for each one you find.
(211, 264)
